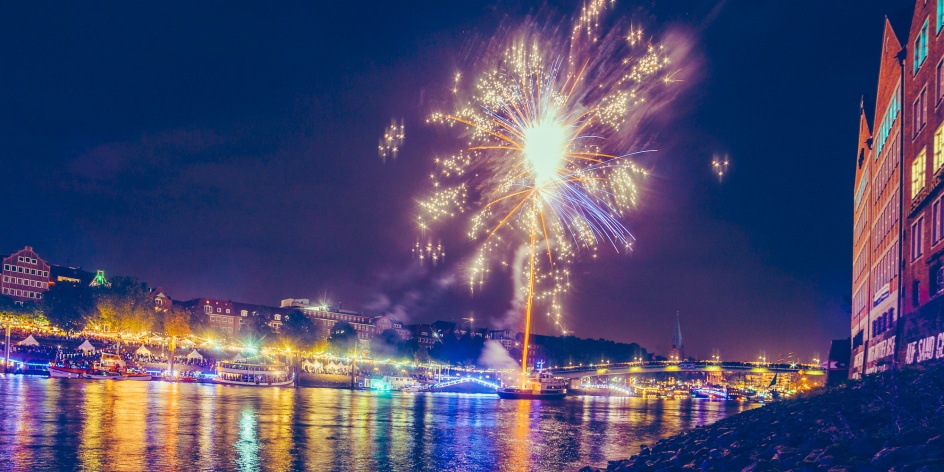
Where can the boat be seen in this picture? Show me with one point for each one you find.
(539, 386)
(253, 374)
(59, 372)
(131, 375)
(109, 367)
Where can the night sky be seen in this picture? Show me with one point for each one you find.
(229, 151)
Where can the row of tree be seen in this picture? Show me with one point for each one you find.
(126, 305)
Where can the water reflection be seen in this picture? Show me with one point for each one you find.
(53, 424)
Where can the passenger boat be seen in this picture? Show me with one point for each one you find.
(252, 374)
(539, 386)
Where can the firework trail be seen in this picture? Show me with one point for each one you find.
(551, 126)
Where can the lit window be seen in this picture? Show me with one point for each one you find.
(227, 310)
(917, 238)
(243, 313)
(939, 148)
(920, 47)
(277, 317)
(918, 167)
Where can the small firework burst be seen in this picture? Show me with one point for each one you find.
(392, 140)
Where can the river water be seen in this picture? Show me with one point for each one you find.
(63, 424)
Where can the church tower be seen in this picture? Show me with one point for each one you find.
(677, 353)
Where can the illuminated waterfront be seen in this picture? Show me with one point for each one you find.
(51, 424)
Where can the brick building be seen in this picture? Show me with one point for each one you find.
(25, 276)
(921, 334)
(898, 320)
(876, 297)
(220, 314)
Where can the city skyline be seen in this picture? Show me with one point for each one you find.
(244, 167)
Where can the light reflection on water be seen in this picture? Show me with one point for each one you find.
(62, 424)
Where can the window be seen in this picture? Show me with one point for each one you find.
(19, 259)
(917, 238)
(207, 309)
(921, 111)
(918, 167)
(219, 310)
(243, 313)
(937, 221)
(6, 266)
(940, 15)
(277, 317)
(227, 311)
(920, 48)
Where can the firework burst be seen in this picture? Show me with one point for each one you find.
(392, 140)
(547, 165)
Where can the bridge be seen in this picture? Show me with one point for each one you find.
(623, 368)
(461, 380)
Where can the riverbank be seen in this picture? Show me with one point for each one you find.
(894, 420)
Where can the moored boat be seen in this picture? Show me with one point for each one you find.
(253, 374)
(65, 372)
(541, 386)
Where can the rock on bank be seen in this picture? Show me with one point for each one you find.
(890, 421)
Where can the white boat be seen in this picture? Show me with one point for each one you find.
(539, 386)
(252, 374)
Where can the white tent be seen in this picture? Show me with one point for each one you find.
(29, 341)
(143, 351)
(238, 357)
(86, 347)
(307, 366)
(194, 355)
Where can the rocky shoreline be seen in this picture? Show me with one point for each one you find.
(891, 421)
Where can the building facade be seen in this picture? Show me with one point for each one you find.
(25, 276)
(220, 314)
(877, 213)
(921, 337)
(898, 255)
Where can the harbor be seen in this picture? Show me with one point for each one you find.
(107, 425)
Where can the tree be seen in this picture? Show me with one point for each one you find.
(18, 312)
(69, 306)
(299, 331)
(386, 345)
(177, 322)
(343, 338)
(257, 330)
(124, 306)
